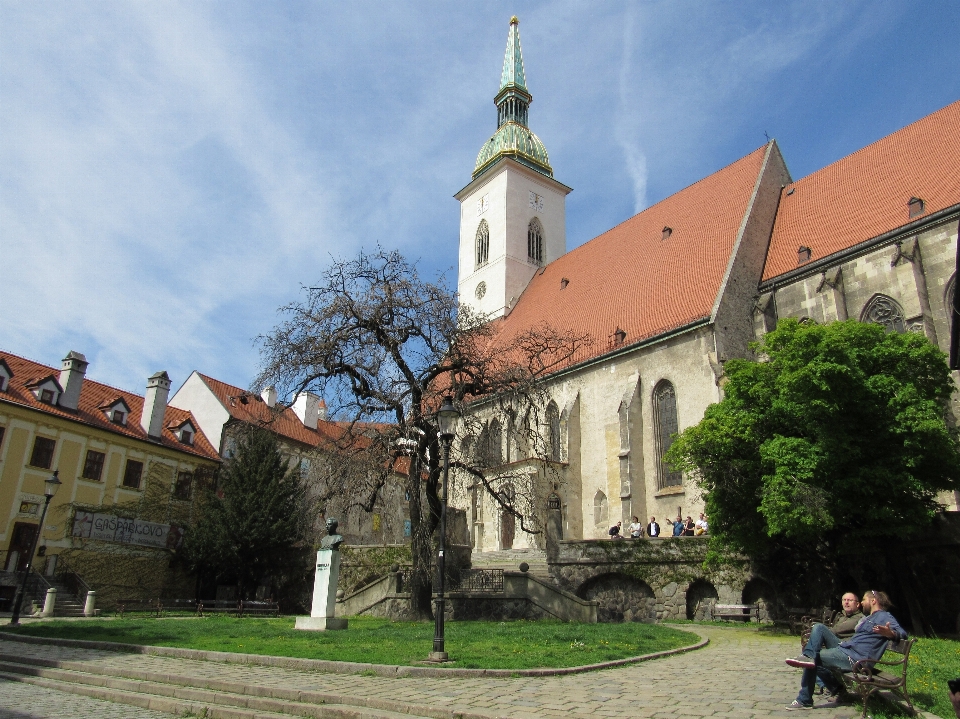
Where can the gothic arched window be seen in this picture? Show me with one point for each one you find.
(493, 449)
(553, 432)
(948, 301)
(483, 244)
(665, 417)
(599, 508)
(535, 241)
(886, 311)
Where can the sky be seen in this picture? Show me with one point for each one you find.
(171, 173)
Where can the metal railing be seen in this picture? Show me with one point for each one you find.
(71, 580)
(482, 581)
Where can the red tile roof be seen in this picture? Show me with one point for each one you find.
(94, 395)
(865, 194)
(247, 406)
(632, 279)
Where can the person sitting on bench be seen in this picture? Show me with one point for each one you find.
(843, 627)
(824, 649)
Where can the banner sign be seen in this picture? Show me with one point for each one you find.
(108, 528)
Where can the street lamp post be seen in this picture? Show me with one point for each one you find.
(50, 488)
(447, 419)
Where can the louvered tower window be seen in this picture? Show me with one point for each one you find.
(535, 241)
(483, 243)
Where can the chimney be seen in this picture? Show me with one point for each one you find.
(322, 410)
(307, 407)
(269, 395)
(71, 379)
(155, 404)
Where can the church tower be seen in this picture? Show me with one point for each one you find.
(512, 214)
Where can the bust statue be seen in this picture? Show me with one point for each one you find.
(332, 540)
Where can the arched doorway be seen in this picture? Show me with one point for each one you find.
(701, 598)
(622, 598)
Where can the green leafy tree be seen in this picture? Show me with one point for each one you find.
(251, 527)
(839, 433)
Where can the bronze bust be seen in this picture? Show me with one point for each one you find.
(332, 540)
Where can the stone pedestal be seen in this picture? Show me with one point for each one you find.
(49, 603)
(324, 594)
(89, 607)
(321, 624)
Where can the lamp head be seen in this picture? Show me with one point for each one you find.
(51, 485)
(447, 419)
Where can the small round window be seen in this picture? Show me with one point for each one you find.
(481, 290)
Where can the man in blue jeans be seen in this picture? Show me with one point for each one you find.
(867, 644)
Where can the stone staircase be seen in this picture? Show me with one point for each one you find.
(186, 695)
(67, 604)
(511, 559)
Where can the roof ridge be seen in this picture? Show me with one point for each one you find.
(872, 145)
(86, 378)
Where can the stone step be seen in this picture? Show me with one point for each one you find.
(215, 699)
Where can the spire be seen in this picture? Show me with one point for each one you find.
(513, 137)
(512, 76)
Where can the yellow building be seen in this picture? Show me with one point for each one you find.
(128, 465)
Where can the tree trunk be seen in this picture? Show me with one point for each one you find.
(421, 550)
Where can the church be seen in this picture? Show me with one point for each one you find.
(672, 293)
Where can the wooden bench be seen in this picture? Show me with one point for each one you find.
(737, 611)
(239, 608)
(887, 674)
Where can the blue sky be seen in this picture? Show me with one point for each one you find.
(171, 173)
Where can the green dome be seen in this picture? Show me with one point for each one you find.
(516, 141)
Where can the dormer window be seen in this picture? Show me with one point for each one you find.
(619, 336)
(667, 231)
(5, 376)
(803, 254)
(46, 390)
(915, 206)
(117, 411)
(185, 432)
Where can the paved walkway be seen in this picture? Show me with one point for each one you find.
(739, 674)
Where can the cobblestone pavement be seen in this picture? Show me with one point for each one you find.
(25, 701)
(739, 674)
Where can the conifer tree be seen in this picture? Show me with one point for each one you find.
(251, 527)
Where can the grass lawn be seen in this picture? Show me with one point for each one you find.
(487, 645)
(932, 663)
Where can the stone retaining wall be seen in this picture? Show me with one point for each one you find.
(647, 579)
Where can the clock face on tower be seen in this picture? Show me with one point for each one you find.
(481, 290)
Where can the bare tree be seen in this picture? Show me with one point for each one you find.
(383, 347)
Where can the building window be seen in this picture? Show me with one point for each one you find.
(599, 509)
(493, 447)
(181, 489)
(535, 241)
(483, 243)
(118, 417)
(46, 396)
(93, 465)
(2, 431)
(915, 206)
(803, 254)
(43, 452)
(883, 310)
(665, 416)
(553, 432)
(132, 474)
(186, 436)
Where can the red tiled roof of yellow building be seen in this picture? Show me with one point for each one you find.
(865, 194)
(93, 397)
